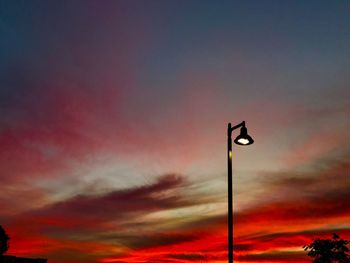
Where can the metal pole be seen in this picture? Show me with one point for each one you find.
(229, 196)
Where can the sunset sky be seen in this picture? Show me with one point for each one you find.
(113, 128)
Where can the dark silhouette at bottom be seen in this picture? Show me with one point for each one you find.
(4, 245)
(12, 259)
(333, 250)
(4, 241)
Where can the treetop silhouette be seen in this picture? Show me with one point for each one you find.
(4, 241)
(333, 250)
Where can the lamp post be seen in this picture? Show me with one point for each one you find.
(242, 139)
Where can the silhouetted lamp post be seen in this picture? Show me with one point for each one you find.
(242, 139)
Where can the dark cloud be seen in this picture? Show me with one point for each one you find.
(205, 222)
(69, 255)
(275, 256)
(322, 193)
(334, 204)
(326, 172)
(190, 257)
(278, 240)
(205, 257)
(155, 240)
(242, 247)
(101, 218)
(117, 205)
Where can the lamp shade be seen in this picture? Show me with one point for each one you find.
(243, 138)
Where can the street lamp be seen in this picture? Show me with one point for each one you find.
(242, 139)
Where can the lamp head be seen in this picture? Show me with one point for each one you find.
(243, 138)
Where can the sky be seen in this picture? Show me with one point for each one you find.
(113, 128)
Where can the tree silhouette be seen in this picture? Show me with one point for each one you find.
(333, 250)
(4, 241)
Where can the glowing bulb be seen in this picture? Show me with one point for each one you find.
(243, 141)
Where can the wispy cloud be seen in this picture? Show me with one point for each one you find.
(108, 218)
